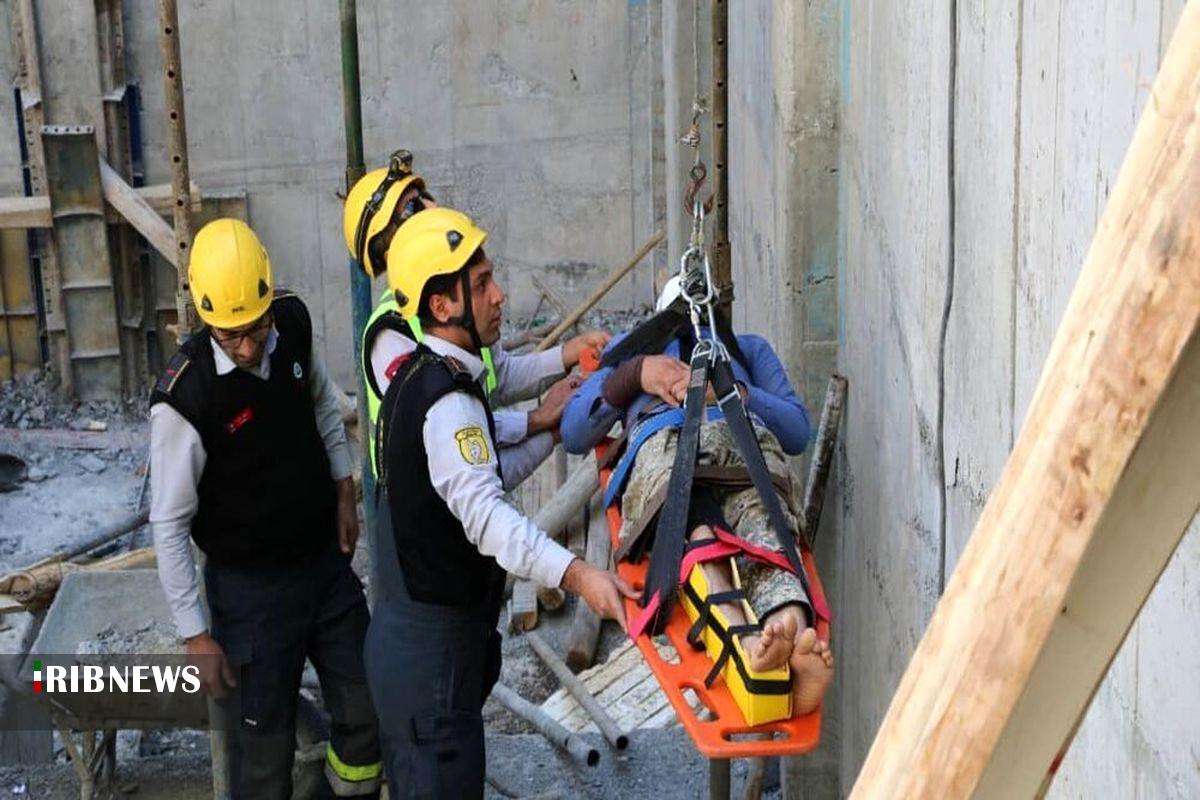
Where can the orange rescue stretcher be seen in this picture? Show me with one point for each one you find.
(727, 735)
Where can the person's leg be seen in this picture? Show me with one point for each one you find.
(768, 650)
(427, 680)
(778, 598)
(352, 764)
(266, 653)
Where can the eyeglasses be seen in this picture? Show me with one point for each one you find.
(231, 339)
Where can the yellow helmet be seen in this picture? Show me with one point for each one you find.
(436, 241)
(371, 204)
(229, 274)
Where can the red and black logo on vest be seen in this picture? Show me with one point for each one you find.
(394, 367)
(239, 420)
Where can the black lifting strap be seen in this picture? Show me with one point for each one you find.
(744, 438)
(670, 535)
(653, 335)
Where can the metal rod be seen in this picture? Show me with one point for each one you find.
(718, 778)
(572, 684)
(168, 18)
(601, 290)
(720, 114)
(360, 284)
(110, 532)
(557, 735)
(822, 459)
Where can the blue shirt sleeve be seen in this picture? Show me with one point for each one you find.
(772, 397)
(587, 419)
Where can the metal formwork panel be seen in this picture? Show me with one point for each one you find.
(81, 239)
(20, 349)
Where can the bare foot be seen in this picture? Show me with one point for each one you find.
(812, 670)
(770, 650)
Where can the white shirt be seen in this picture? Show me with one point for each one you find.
(462, 469)
(517, 378)
(177, 459)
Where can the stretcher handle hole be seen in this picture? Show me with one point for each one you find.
(699, 702)
(756, 735)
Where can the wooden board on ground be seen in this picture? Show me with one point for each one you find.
(625, 688)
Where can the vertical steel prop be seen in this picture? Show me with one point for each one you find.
(723, 270)
(360, 284)
(185, 311)
(168, 18)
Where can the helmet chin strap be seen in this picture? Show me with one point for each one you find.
(466, 319)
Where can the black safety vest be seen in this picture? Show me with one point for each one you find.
(438, 563)
(265, 493)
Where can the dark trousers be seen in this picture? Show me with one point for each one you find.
(430, 669)
(268, 620)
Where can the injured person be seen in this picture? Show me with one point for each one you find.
(734, 578)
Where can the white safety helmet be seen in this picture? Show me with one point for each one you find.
(669, 292)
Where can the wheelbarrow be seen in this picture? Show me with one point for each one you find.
(89, 605)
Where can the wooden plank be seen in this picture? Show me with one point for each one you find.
(624, 686)
(585, 628)
(1051, 579)
(137, 212)
(523, 607)
(1084, 61)
(34, 212)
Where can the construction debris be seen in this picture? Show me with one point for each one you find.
(627, 690)
(557, 735)
(615, 736)
(34, 588)
(130, 639)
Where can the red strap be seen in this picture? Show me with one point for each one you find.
(773, 557)
(639, 623)
(709, 552)
(395, 366)
(726, 546)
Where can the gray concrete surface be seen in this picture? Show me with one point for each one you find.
(1044, 100)
(530, 115)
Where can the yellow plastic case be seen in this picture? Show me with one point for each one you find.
(757, 708)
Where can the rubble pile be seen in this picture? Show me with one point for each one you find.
(130, 639)
(31, 401)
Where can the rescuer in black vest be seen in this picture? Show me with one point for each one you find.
(445, 535)
(249, 458)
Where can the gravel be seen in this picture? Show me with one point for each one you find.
(130, 639)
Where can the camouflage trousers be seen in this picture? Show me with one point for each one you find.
(767, 587)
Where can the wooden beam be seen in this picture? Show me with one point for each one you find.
(585, 627)
(34, 212)
(1096, 494)
(121, 196)
(25, 212)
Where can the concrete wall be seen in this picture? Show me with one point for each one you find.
(979, 143)
(532, 115)
(783, 145)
